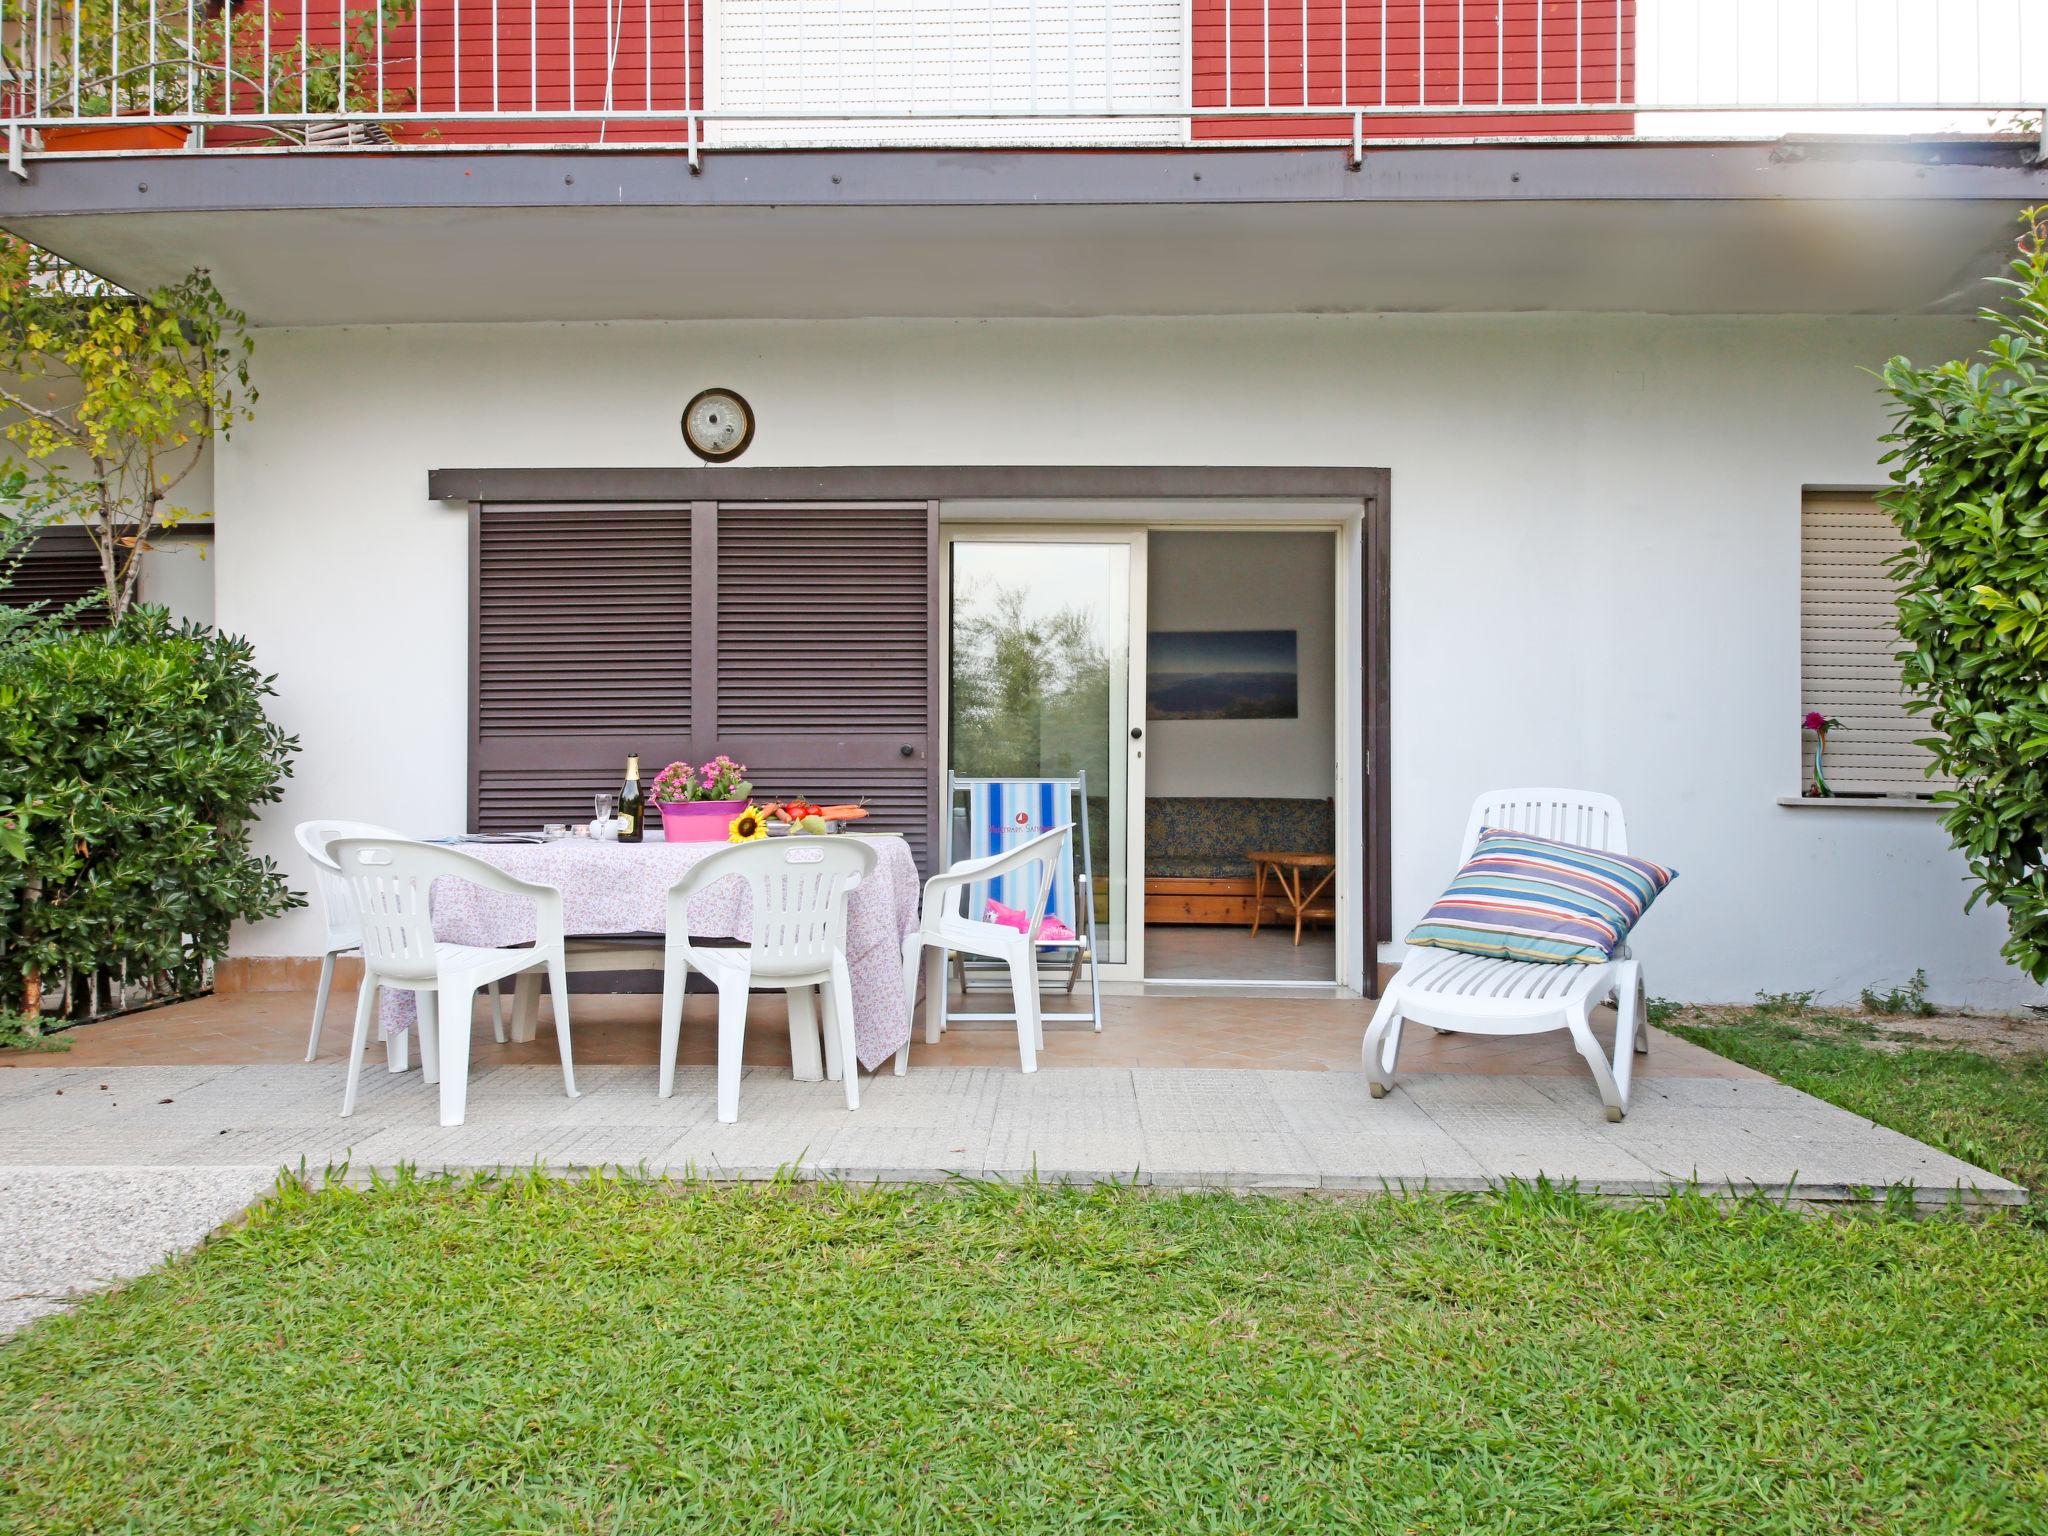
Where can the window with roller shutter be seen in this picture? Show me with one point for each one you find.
(798, 638)
(1848, 645)
(61, 566)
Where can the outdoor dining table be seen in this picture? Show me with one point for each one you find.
(612, 889)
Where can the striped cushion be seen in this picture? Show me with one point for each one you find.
(1530, 898)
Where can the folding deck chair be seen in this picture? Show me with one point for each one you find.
(1001, 814)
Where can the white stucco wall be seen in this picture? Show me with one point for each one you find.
(1595, 559)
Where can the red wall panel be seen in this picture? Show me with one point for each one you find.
(514, 55)
(1408, 53)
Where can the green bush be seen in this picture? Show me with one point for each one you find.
(1970, 493)
(132, 760)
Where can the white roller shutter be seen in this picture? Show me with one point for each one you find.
(875, 56)
(1848, 639)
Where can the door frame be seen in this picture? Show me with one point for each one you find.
(1368, 485)
(1132, 967)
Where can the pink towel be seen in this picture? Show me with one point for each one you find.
(1049, 927)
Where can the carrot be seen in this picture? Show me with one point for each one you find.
(844, 813)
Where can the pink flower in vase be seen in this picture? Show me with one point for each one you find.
(672, 784)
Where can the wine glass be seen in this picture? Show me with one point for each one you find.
(607, 805)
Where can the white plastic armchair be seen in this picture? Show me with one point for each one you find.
(1472, 994)
(799, 887)
(390, 882)
(944, 926)
(337, 908)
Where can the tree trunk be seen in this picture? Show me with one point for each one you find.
(32, 992)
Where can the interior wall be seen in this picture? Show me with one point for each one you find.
(1199, 580)
(1595, 561)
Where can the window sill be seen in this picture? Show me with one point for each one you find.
(1857, 803)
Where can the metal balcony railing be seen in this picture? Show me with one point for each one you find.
(125, 76)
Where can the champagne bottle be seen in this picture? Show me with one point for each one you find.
(632, 803)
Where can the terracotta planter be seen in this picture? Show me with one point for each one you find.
(699, 821)
(113, 135)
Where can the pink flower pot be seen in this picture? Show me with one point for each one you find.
(699, 821)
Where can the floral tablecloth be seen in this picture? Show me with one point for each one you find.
(619, 888)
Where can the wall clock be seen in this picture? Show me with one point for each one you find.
(718, 425)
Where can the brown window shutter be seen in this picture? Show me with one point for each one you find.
(826, 670)
(58, 569)
(812, 656)
(582, 655)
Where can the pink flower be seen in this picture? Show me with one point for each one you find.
(1816, 721)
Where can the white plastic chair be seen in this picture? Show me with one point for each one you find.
(1473, 994)
(944, 926)
(390, 883)
(799, 887)
(337, 906)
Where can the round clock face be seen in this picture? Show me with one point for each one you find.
(718, 425)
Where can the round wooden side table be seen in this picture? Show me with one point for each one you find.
(1290, 871)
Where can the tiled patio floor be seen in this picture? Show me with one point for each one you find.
(1286, 1034)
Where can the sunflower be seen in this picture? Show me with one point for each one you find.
(747, 826)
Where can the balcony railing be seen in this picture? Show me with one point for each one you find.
(129, 75)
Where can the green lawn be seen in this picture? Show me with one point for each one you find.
(533, 1355)
(1992, 1111)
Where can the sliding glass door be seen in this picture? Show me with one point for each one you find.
(1044, 677)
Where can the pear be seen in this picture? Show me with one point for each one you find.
(813, 825)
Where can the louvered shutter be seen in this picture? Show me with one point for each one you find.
(582, 655)
(799, 639)
(58, 569)
(1848, 642)
(826, 668)
(929, 57)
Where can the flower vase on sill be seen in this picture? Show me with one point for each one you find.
(1820, 725)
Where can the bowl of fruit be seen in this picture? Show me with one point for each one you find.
(806, 818)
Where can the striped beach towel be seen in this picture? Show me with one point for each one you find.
(1529, 898)
(1001, 813)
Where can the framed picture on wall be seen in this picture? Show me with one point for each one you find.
(1221, 674)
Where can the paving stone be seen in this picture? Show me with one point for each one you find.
(1719, 1154)
(103, 1095)
(18, 1311)
(943, 1096)
(751, 1150)
(458, 1147)
(18, 1082)
(71, 1231)
(1230, 1159)
(87, 1145)
(629, 1098)
(1339, 1105)
(299, 1094)
(867, 1149)
(1083, 1153)
(1201, 1100)
(1094, 1086)
(314, 1148)
(1431, 1160)
(1589, 1161)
